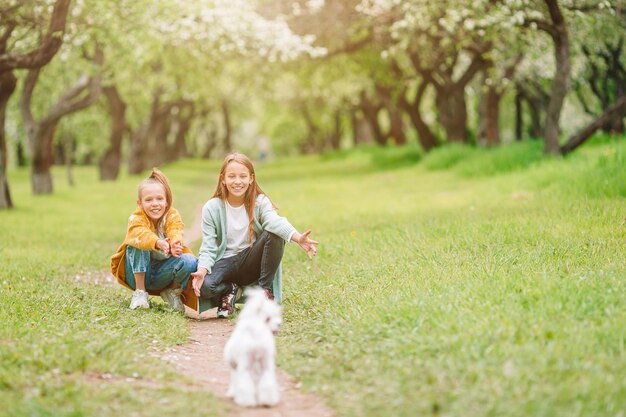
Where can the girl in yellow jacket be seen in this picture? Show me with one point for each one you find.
(153, 258)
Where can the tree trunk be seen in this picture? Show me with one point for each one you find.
(41, 133)
(50, 43)
(8, 83)
(450, 99)
(396, 125)
(370, 113)
(158, 136)
(211, 140)
(536, 126)
(110, 162)
(141, 150)
(450, 93)
(519, 118)
(228, 129)
(335, 136)
(59, 153)
(136, 158)
(182, 122)
(361, 131)
(617, 123)
(309, 145)
(489, 125)
(560, 84)
(396, 122)
(619, 107)
(426, 137)
(43, 158)
(68, 142)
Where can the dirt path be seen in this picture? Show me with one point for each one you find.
(202, 360)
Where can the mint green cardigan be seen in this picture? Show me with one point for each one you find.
(214, 236)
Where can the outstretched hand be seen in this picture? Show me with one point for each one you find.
(197, 280)
(306, 243)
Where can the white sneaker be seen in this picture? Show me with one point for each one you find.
(140, 300)
(172, 297)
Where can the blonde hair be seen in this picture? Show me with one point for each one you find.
(157, 177)
(253, 191)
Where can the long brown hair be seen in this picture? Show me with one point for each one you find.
(158, 177)
(253, 191)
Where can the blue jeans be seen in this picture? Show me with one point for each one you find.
(160, 274)
(255, 264)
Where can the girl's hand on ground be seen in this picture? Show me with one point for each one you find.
(305, 243)
(163, 245)
(197, 280)
(177, 248)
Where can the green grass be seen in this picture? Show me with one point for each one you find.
(440, 287)
(68, 344)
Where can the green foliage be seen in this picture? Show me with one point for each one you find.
(380, 157)
(594, 172)
(469, 161)
(502, 159)
(447, 156)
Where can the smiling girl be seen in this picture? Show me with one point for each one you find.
(243, 239)
(153, 258)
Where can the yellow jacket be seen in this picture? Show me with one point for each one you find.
(141, 234)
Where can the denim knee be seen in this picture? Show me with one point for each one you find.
(187, 263)
(137, 259)
(210, 288)
(272, 239)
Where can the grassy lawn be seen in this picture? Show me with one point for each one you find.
(68, 344)
(462, 283)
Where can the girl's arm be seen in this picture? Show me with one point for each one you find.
(174, 226)
(139, 234)
(208, 249)
(272, 222)
(174, 231)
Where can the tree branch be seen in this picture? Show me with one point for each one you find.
(555, 12)
(579, 138)
(26, 98)
(6, 35)
(50, 44)
(477, 64)
(79, 96)
(350, 47)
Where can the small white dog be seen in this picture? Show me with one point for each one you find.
(251, 350)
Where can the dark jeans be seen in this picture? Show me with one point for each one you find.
(258, 263)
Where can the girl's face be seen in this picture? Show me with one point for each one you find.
(153, 201)
(237, 179)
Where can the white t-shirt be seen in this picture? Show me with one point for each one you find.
(237, 222)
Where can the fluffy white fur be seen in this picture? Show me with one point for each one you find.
(251, 350)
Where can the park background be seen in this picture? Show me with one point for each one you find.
(461, 163)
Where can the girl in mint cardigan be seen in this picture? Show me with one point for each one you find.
(243, 239)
